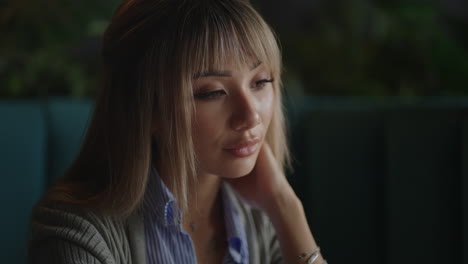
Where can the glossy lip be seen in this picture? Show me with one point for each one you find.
(244, 148)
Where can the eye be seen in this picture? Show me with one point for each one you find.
(210, 95)
(260, 84)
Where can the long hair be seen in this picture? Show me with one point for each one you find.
(151, 51)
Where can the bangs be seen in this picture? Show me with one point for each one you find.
(220, 33)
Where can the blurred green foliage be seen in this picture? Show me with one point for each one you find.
(353, 47)
(51, 47)
(370, 48)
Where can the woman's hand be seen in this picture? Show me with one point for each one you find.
(266, 188)
(264, 183)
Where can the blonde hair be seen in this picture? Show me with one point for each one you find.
(151, 50)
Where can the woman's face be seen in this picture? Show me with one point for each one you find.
(233, 109)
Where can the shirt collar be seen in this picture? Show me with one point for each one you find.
(160, 205)
(235, 231)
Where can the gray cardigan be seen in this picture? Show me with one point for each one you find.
(69, 234)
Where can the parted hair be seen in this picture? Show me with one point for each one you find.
(151, 52)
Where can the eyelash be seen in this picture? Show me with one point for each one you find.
(258, 85)
(263, 83)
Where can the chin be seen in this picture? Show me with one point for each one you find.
(239, 173)
(237, 169)
(228, 167)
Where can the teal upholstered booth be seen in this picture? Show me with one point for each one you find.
(382, 182)
(38, 140)
(23, 159)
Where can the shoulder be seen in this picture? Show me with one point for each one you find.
(72, 234)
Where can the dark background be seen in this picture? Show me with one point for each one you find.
(339, 48)
(376, 97)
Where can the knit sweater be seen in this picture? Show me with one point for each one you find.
(73, 235)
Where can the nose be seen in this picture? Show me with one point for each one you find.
(245, 115)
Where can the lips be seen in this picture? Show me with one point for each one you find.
(243, 148)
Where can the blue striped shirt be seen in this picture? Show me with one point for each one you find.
(167, 242)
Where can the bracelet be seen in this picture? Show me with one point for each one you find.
(305, 254)
(313, 258)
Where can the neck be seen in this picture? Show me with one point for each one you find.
(204, 220)
(204, 203)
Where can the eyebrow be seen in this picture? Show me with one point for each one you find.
(217, 73)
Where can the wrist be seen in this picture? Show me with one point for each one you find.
(287, 216)
(283, 203)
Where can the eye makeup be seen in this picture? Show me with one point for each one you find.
(260, 84)
(207, 94)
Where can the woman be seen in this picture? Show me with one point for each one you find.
(183, 159)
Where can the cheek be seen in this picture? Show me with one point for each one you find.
(207, 124)
(267, 106)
